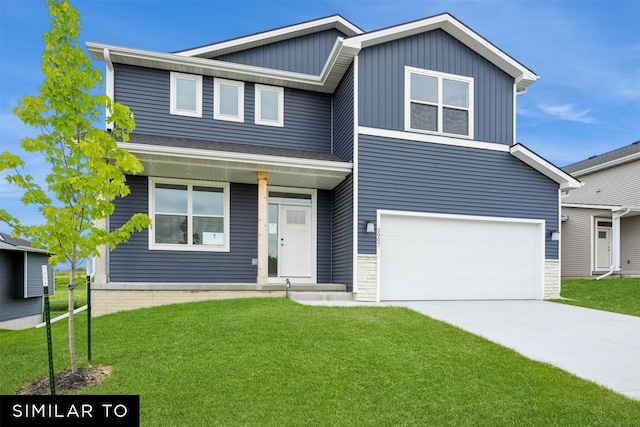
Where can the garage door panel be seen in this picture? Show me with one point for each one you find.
(430, 258)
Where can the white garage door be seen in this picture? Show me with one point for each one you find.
(435, 257)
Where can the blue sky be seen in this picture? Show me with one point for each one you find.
(587, 54)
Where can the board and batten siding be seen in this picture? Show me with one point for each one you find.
(423, 177)
(15, 306)
(342, 233)
(343, 117)
(619, 186)
(381, 83)
(305, 54)
(134, 262)
(307, 115)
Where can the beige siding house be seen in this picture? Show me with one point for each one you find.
(601, 221)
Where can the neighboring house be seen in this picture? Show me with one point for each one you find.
(381, 162)
(601, 221)
(21, 286)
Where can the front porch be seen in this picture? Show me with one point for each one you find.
(120, 296)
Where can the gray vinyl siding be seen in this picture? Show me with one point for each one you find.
(134, 262)
(576, 240)
(422, 177)
(307, 115)
(630, 245)
(306, 54)
(14, 306)
(381, 83)
(35, 261)
(323, 238)
(342, 233)
(614, 186)
(343, 117)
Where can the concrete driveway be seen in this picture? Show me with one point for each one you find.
(595, 345)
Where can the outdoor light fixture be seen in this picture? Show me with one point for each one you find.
(555, 234)
(371, 226)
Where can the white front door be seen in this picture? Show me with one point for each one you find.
(295, 241)
(603, 248)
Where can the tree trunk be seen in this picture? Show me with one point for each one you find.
(72, 340)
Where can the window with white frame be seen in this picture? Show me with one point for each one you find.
(228, 100)
(186, 94)
(438, 102)
(269, 105)
(189, 215)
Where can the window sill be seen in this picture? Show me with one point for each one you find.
(185, 248)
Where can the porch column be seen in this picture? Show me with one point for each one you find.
(101, 260)
(263, 236)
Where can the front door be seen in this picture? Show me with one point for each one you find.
(295, 241)
(603, 248)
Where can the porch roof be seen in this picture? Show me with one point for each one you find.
(217, 161)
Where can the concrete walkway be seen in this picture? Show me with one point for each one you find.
(595, 345)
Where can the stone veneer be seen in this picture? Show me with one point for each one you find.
(551, 279)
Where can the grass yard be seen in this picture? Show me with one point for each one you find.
(59, 302)
(617, 295)
(274, 362)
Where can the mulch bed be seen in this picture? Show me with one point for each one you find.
(66, 381)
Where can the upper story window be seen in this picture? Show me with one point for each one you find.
(228, 97)
(189, 215)
(186, 94)
(269, 105)
(438, 102)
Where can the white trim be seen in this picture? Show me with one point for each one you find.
(583, 206)
(514, 112)
(274, 161)
(435, 139)
(26, 275)
(109, 85)
(457, 29)
(314, 230)
(607, 165)
(217, 115)
(592, 245)
(258, 107)
(594, 240)
(271, 36)
(440, 105)
(355, 173)
(566, 181)
(173, 109)
(539, 222)
(189, 247)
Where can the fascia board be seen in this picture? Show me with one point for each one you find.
(566, 181)
(607, 165)
(284, 33)
(280, 161)
(457, 29)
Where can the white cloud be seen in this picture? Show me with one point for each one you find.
(568, 112)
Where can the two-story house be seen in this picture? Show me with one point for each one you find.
(384, 163)
(601, 221)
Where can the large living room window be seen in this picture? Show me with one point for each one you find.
(189, 215)
(186, 94)
(438, 103)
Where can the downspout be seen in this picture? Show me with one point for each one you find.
(109, 81)
(615, 244)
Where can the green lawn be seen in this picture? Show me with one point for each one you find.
(59, 302)
(617, 295)
(274, 362)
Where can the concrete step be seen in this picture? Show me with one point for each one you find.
(320, 296)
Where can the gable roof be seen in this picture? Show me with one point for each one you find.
(338, 61)
(606, 160)
(566, 181)
(279, 34)
(14, 244)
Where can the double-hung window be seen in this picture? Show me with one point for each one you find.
(186, 94)
(269, 105)
(438, 102)
(189, 215)
(228, 100)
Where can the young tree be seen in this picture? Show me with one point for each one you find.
(87, 166)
